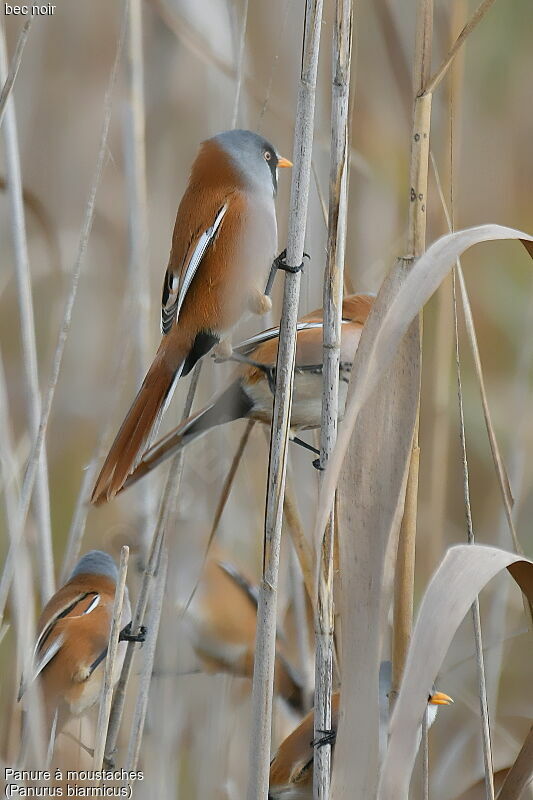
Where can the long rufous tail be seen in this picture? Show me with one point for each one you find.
(137, 430)
(232, 404)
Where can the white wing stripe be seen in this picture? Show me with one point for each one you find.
(197, 256)
(48, 655)
(272, 333)
(92, 606)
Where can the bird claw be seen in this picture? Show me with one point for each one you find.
(280, 263)
(127, 636)
(328, 737)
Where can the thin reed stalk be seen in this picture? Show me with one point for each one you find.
(240, 65)
(293, 520)
(112, 650)
(201, 49)
(35, 455)
(28, 337)
(476, 617)
(9, 477)
(517, 449)
(259, 754)
(21, 589)
(416, 244)
(472, 23)
(228, 483)
(301, 546)
(332, 304)
(497, 458)
(301, 622)
(117, 371)
(168, 501)
(139, 256)
(9, 80)
(153, 620)
(221, 505)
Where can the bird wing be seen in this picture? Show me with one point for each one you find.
(249, 345)
(239, 580)
(42, 655)
(177, 282)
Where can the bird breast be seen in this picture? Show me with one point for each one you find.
(307, 397)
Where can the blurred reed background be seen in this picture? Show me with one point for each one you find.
(197, 728)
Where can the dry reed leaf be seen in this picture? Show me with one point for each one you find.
(423, 280)
(478, 791)
(521, 773)
(463, 573)
(372, 491)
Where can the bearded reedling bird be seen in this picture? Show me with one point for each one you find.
(221, 621)
(224, 242)
(291, 769)
(73, 633)
(251, 394)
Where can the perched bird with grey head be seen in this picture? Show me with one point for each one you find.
(73, 633)
(291, 769)
(224, 243)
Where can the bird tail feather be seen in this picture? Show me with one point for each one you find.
(232, 404)
(137, 430)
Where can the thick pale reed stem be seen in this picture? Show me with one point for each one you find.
(416, 244)
(107, 687)
(259, 758)
(333, 292)
(139, 256)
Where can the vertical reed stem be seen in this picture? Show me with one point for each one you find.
(416, 244)
(333, 292)
(107, 687)
(476, 617)
(259, 756)
(141, 706)
(27, 328)
(39, 441)
(168, 501)
(139, 273)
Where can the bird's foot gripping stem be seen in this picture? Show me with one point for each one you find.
(328, 737)
(127, 636)
(280, 262)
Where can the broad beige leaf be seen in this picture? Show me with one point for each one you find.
(462, 574)
(371, 495)
(521, 773)
(423, 279)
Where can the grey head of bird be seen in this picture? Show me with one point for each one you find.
(255, 157)
(96, 562)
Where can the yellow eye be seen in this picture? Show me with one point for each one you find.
(268, 155)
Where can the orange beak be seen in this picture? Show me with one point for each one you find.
(284, 162)
(440, 699)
